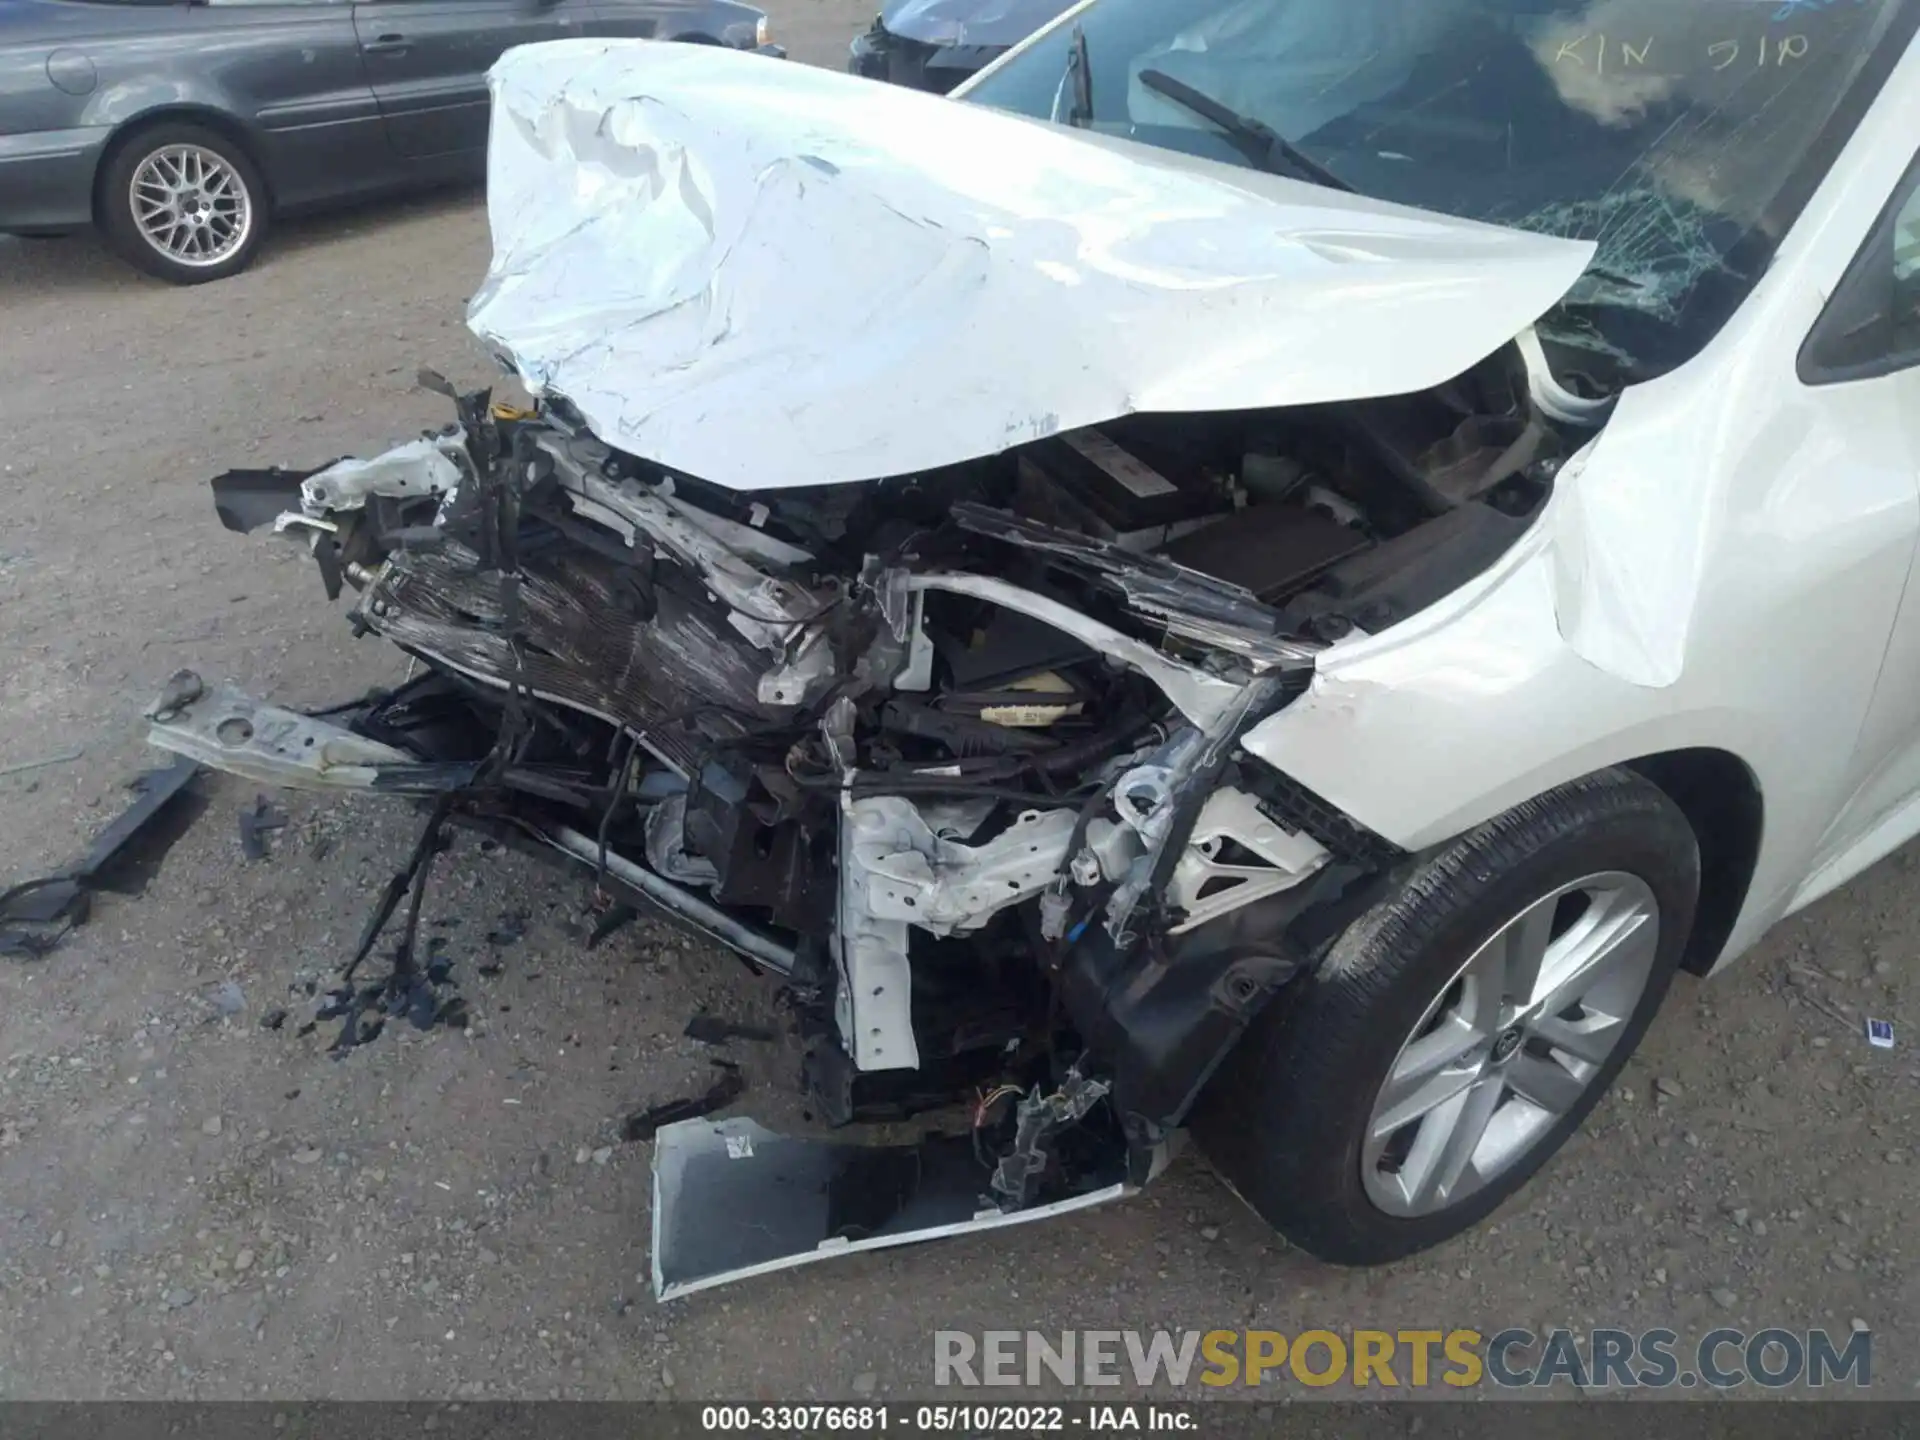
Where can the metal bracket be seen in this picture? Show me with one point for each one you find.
(897, 872)
(1206, 889)
(872, 1003)
(943, 886)
(228, 730)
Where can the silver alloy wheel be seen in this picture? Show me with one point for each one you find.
(191, 205)
(1510, 1044)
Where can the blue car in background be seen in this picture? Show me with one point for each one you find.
(935, 44)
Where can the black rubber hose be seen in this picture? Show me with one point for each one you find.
(1081, 753)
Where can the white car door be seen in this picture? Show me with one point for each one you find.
(1870, 335)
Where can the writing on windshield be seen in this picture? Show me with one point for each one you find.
(1677, 135)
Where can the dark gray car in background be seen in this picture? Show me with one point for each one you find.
(181, 129)
(935, 44)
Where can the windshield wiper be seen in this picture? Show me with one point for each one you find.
(1262, 144)
(1080, 77)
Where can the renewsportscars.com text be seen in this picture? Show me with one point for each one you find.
(1602, 1358)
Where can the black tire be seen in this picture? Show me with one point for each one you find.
(1284, 1120)
(123, 233)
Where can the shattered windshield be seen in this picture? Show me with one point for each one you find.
(1682, 136)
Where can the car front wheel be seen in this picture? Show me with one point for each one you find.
(184, 203)
(1461, 1029)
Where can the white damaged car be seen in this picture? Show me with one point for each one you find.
(1269, 571)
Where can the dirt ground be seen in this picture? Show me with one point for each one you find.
(194, 1205)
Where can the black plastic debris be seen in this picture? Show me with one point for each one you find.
(510, 929)
(728, 1086)
(439, 965)
(425, 996)
(417, 1003)
(257, 821)
(337, 1003)
(356, 1031)
(717, 1030)
(36, 915)
(274, 1018)
(407, 990)
(250, 499)
(617, 917)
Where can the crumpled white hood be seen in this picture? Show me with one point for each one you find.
(768, 275)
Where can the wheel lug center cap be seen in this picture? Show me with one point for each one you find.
(1506, 1045)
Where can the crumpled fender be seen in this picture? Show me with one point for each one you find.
(1686, 587)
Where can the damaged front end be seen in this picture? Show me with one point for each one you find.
(922, 689)
(955, 755)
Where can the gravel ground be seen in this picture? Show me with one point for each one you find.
(194, 1205)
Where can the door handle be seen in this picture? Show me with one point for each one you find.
(390, 44)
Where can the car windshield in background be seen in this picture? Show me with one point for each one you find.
(1682, 136)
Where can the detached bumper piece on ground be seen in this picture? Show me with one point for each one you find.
(35, 915)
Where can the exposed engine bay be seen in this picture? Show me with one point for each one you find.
(953, 754)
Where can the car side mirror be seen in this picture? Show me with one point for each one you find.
(1871, 326)
(1906, 284)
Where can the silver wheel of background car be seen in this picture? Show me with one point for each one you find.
(1510, 1045)
(190, 204)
